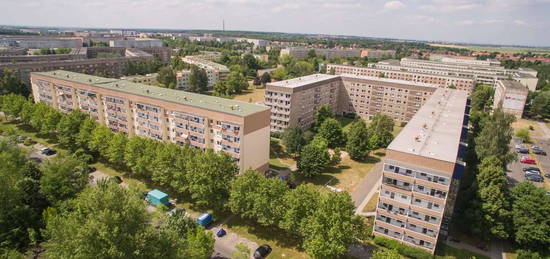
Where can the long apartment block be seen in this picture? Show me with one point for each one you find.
(236, 128)
(444, 81)
(214, 71)
(293, 102)
(485, 74)
(421, 172)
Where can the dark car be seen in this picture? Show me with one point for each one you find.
(47, 151)
(262, 251)
(531, 168)
(547, 175)
(539, 152)
(523, 150)
(534, 178)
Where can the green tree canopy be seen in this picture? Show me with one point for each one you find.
(495, 136)
(324, 112)
(294, 140)
(331, 130)
(167, 77)
(358, 140)
(381, 129)
(198, 80)
(313, 159)
(63, 178)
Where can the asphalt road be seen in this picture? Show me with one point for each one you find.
(515, 173)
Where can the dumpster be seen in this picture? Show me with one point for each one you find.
(156, 197)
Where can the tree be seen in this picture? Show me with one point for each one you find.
(69, 127)
(386, 254)
(332, 228)
(297, 206)
(265, 78)
(336, 158)
(110, 222)
(198, 80)
(167, 77)
(493, 195)
(250, 61)
(495, 137)
(63, 178)
(10, 83)
(482, 97)
(137, 156)
(294, 140)
(256, 81)
(381, 128)
(524, 135)
(324, 112)
(254, 196)
(241, 252)
(331, 130)
(530, 210)
(236, 82)
(99, 141)
(313, 159)
(114, 152)
(540, 104)
(358, 140)
(50, 120)
(300, 68)
(280, 73)
(207, 177)
(85, 131)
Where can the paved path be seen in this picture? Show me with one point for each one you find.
(368, 186)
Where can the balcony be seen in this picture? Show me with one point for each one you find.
(424, 217)
(432, 178)
(427, 204)
(419, 242)
(430, 191)
(387, 232)
(421, 230)
(397, 184)
(389, 220)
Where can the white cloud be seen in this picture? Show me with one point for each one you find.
(491, 21)
(521, 23)
(466, 22)
(394, 5)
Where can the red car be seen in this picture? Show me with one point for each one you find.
(527, 160)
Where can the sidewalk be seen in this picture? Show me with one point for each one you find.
(367, 187)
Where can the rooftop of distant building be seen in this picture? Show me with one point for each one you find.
(186, 98)
(304, 80)
(434, 131)
(208, 63)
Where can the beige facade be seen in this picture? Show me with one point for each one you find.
(421, 173)
(461, 83)
(214, 71)
(182, 79)
(293, 102)
(302, 53)
(239, 129)
(510, 96)
(377, 53)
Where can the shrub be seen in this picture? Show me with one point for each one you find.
(531, 127)
(527, 254)
(276, 134)
(27, 142)
(524, 134)
(405, 250)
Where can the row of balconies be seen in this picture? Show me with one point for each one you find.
(417, 174)
(403, 185)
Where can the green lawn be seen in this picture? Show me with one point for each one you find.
(283, 244)
(278, 157)
(371, 205)
(444, 251)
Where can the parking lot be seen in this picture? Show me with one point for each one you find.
(515, 173)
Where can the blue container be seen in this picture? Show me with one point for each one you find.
(157, 197)
(204, 219)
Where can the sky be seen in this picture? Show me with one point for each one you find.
(507, 22)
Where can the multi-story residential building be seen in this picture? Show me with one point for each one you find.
(302, 53)
(239, 129)
(510, 96)
(461, 83)
(293, 102)
(182, 79)
(421, 172)
(377, 53)
(92, 63)
(214, 71)
(485, 74)
(39, 42)
(137, 43)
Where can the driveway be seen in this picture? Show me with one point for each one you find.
(514, 171)
(368, 186)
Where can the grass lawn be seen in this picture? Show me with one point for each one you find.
(348, 174)
(278, 157)
(283, 244)
(371, 205)
(445, 251)
(252, 95)
(524, 124)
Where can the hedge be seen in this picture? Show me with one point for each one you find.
(405, 250)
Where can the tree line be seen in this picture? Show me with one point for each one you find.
(486, 207)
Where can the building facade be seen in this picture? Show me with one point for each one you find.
(239, 129)
(461, 83)
(182, 79)
(137, 43)
(302, 52)
(421, 172)
(511, 97)
(214, 71)
(377, 53)
(293, 102)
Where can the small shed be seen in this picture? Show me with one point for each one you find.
(157, 197)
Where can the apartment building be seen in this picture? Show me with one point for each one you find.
(214, 71)
(239, 129)
(137, 43)
(485, 74)
(421, 172)
(182, 79)
(39, 42)
(444, 81)
(377, 53)
(510, 96)
(293, 102)
(302, 53)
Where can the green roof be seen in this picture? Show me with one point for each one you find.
(176, 96)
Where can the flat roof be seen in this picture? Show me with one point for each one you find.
(208, 63)
(304, 80)
(434, 131)
(401, 71)
(395, 81)
(512, 84)
(202, 101)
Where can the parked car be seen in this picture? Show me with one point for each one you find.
(539, 152)
(548, 193)
(528, 160)
(535, 147)
(204, 219)
(534, 178)
(47, 151)
(21, 139)
(531, 168)
(522, 150)
(262, 251)
(547, 175)
(221, 232)
(532, 172)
